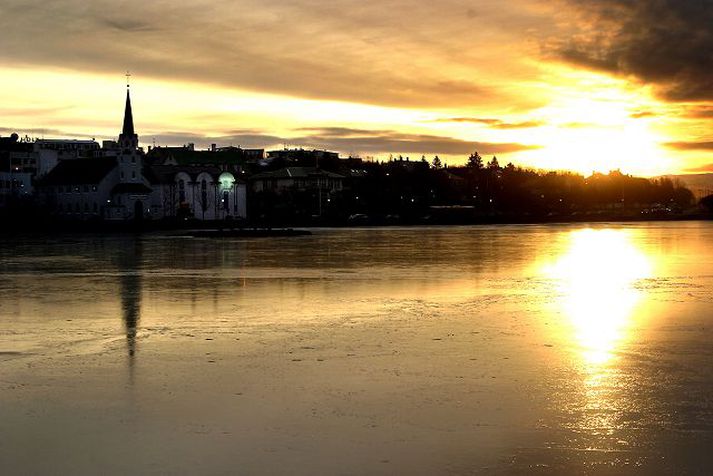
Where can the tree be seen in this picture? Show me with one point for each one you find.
(436, 163)
(493, 164)
(475, 161)
(707, 202)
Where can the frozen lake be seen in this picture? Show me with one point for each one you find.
(557, 349)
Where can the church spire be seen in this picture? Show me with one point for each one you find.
(128, 138)
(128, 129)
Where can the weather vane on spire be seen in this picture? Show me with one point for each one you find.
(128, 76)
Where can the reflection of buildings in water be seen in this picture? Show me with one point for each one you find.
(596, 277)
(129, 262)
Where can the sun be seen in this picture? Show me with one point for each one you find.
(593, 126)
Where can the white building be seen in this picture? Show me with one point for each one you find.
(110, 188)
(117, 185)
(202, 192)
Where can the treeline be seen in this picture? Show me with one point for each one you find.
(412, 191)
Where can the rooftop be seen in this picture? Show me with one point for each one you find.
(80, 171)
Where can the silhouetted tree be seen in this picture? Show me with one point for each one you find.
(493, 164)
(437, 163)
(475, 161)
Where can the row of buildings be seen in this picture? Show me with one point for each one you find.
(117, 180)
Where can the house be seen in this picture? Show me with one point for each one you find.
(297, 179)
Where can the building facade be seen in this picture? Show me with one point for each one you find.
(117, 184)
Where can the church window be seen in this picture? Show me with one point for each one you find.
(226, 201)
(181, 191)
(204, 195)
(133, 174)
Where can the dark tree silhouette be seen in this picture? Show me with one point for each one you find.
(493, 164)
(475, 161)
(707, 202)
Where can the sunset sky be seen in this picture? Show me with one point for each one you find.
(563, 84)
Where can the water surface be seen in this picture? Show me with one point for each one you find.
(556, 349)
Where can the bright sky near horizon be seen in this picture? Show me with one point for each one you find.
(555, 84)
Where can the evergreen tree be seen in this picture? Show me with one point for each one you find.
(475, 161)
(436, 163)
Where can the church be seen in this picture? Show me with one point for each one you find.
(118, 185)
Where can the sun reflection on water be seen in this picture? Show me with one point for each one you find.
(596, 281)
(596, 278)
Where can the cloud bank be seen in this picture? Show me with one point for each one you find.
(667, 43)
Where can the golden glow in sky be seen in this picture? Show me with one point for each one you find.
(540, 84)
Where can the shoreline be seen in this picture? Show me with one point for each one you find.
(297, 228)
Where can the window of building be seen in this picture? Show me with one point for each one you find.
(133, 174)
(133, 159)
(85, 188)
(181, 191)
(204, 195)
(96, 207)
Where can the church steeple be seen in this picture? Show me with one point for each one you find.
(128, 138)
(128, 129)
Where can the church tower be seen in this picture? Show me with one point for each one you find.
(130, 156)
(128, 138)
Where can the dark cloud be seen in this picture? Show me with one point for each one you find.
(127, 24)
(692, 145)
(707, 168)
(642, 114)
(246, 139)
(43, 133)
(668, 43)
(495, 123)
(700, 112)
(350, 141)
(578, 125)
